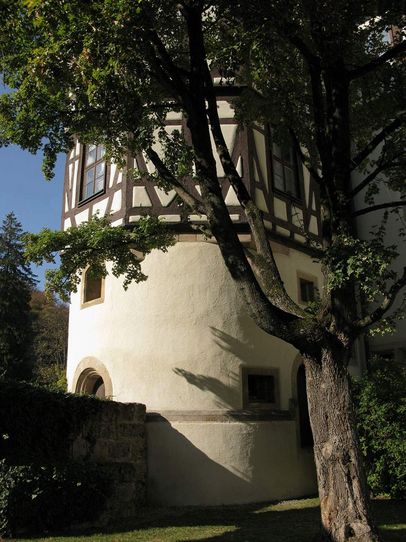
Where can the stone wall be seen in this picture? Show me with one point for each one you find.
(114, 438)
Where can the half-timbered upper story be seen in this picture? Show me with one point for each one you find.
(281, 187)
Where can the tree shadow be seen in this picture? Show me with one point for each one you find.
(250, 523)
(224, 392)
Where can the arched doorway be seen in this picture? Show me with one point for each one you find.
(305, 431)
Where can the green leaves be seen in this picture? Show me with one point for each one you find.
(95, 243)
(366, 263)
(381, 410)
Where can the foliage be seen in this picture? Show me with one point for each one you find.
(95, 242)
(380, 399)
(50, 327)
(37, 425)
(39, 498)
(16, 283)
(51, 376)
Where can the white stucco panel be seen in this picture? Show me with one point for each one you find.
(170, 218)
(67, 224)
(113, 170)
(165, 197)
(297, 217)
(225, 109)
(260, 200)
(116, 203)
(75, 182)
(313, 225)
(280, 209)
(82, 217)
(231, 197)
(100, 207)
(259, 140)
(140, 197)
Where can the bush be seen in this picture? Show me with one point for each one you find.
(37, 425)
(380, 399)
(41, 498)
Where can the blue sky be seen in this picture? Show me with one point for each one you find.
(35, 201)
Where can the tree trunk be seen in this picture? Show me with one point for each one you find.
(343, 492)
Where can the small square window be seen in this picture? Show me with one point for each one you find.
(260, 388)
(307, 288)
(307, 291)
(92, 289)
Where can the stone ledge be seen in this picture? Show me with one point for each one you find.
(225, 416)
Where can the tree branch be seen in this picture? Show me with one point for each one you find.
(264, 261)
(386, 304)
(304, 158)
(393, 52)
(369, 178)
(391, 127)
(388, 205)
(187, 197)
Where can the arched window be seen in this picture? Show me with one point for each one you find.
(306, 436)
(92, 286)
(92, 378)
(91, 383)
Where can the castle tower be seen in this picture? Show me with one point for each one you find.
(226, 405)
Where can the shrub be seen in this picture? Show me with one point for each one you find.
(37, 425)
(380, 399)
(40, 498)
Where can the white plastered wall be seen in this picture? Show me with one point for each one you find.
(178, 342)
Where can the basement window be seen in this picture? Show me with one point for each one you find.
(307, 288)
(260, 388)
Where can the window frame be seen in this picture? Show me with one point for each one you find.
(84, 169)
(308, 278)
(295, 167)
(91, 302)
(260, 371)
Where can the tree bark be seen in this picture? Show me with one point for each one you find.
(344, 500)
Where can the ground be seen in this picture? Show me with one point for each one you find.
(290, 521)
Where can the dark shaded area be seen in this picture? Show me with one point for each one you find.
(254, 523)
(38, 426)
(306, 436)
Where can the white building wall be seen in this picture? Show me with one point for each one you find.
(395, 342)
(178, 343)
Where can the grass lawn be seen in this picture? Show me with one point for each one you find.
(290, 521)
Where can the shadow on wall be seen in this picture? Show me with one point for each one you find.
(213, 385)
(258, 349)
(179, 473)
(206, 463)
(257, 352)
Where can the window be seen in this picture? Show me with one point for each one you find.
(91, 383)
(93, 287)
(94, 171)
(307, 288)
(285, 169)
(307, 291)
(260, 388)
